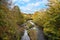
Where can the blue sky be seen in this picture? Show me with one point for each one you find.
(30, 6)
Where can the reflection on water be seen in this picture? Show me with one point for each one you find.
(25, 36)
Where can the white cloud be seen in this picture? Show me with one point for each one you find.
(14, 1)
(44, 1)
(33, 6)
(30, 7)
(37, 4)
(25, 0)
(21, 0)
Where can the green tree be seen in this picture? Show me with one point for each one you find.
(50, 20)
(10, 22)
(18, 16)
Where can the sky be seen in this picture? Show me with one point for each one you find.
(30, 6)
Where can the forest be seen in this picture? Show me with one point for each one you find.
(12, 20)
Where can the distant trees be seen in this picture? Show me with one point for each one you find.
(27, 17)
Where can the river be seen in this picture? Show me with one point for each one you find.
(39, 33)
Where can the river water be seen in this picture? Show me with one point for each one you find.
(39, 33)
(25, 36)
